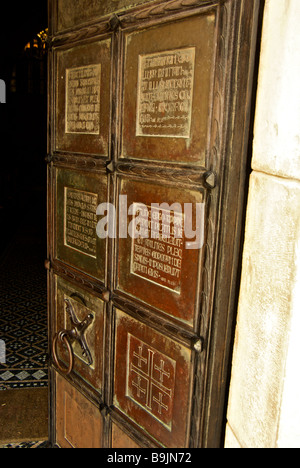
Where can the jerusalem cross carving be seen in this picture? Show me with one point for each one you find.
(150, 380)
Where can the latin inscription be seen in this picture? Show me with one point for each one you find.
(165, 93)
(83, 86)
(80, 221)
(151, 380)
(157, 253)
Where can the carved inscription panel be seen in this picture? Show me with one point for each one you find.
(82, 98)
(80, 221)
(155, 263)
(152, 380)
(77, 198)
(168, 91)
(165, 93)
(83, 87)
(159, 259)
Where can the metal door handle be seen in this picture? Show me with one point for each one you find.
(67, 337)
(63, 338)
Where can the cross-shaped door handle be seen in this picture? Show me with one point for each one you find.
(67, 337)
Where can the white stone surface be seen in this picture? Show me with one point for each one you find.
(266, 313)
(231, 440)
(277, 125)
(289, 427)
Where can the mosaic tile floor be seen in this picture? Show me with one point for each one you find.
(23, 445)
(23, 315)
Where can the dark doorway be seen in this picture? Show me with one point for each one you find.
(23, 117)
(23, 129)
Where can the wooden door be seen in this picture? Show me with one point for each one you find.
(149, 110)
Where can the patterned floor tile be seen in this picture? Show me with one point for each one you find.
(23, 315)
(23, 445)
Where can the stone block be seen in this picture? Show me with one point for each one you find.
(231, 441)
(266, 310)
(277, 125)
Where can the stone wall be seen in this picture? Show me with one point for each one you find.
(264, 402)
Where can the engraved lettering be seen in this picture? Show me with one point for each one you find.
(83, 86)
(80, 221)
(158, 259)
(165, 94)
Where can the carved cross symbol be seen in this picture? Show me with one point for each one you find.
(140, 357)
(160, 403)
(162, 371)
(150, 379)
(139, 387)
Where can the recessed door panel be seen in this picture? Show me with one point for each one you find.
(77, 196)
(74, 305)
(167, 91)
(83, 83)
(153, 376)
(72, 13)
(78, 422)
(160, 257)
(120, 439)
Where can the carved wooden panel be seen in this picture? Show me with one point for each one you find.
(77, 196)
(83, 83)
(83, 304)
(157, 263)
(167, 90)
(70, 13)
(153, 377)
(120, 439)
(78, 422)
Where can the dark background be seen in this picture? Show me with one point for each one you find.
(23, 119)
